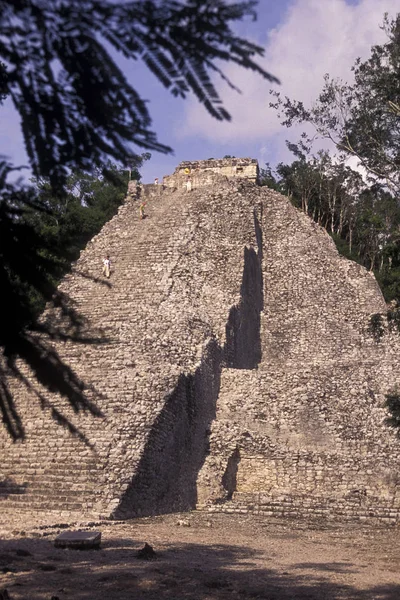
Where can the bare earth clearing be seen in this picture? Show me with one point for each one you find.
(206, 557)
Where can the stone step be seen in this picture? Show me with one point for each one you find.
(293, 506)
(43, 504)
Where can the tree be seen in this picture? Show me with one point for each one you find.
(77, 108)
(361, 119)
(267, 177)
(90, 200)
(78, 112)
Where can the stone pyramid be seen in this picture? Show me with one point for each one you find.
(234, 371)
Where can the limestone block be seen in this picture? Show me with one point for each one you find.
(79, 540)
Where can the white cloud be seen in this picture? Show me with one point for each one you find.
(315, 37)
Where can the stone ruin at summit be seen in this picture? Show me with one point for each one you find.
(237, 370)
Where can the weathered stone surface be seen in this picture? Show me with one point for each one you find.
(308, 425)
(236, 371)
(201, 172)
(79, 540)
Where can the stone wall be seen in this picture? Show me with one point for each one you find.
(201, 172)
(230, 368)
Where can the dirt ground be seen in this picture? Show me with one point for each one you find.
(206, 557)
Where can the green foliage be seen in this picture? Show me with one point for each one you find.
(28, 265)
(389, 282)
(360, 119)
(268, 179)
(393, 317)
(393, 405)
(372, 129)
(344, 248)
(376, 327)
(71, 220)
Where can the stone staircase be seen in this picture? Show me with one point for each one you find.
(63, 478)
(161, 317)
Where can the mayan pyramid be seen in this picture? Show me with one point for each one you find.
(232, 367)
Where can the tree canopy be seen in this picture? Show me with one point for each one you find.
(361, 118)
(77, 108)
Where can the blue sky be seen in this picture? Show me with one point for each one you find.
(303, 40)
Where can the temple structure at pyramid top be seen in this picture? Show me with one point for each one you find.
(202, 172)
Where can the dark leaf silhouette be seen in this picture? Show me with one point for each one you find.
(76, 106)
